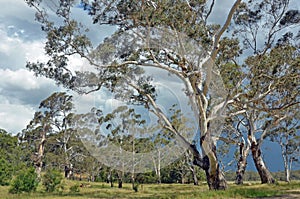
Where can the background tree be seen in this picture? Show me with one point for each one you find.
(10, 157)
(286, 134)
(51, 119)
(268, 79)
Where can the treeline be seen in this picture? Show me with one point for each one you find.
(54, 140)
(18, 155)
(254, 176)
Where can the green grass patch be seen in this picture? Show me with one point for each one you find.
(163, 191)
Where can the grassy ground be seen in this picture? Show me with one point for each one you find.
(103, 190)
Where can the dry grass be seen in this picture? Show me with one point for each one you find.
(103, 190)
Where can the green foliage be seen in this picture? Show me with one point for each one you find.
(26, 181)
(52, 180)
(5, 172)
(74, 189)
(135, 187)
(11, 152)
(261, 82)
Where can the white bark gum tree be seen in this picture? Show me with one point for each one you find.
(40, 151)
(264, 173)
(197, 88)
(244, 149)
(36, 132)
(52, 120)
(285, 134)
(68, 39)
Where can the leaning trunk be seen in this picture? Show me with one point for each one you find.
(209, 163)
(215, 177)
(264, 173)
(242, 163)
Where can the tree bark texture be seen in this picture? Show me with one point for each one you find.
(214, 176)
(40, 154)
(242, 163)
(264, 173)
(286, 162)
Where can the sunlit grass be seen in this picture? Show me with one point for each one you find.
(178, 191)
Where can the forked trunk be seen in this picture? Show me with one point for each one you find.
(264, 173)
(242, 163)
(209, 163)
(215, 177)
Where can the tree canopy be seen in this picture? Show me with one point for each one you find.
(246, 67)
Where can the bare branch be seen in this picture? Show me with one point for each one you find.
(209, 11)
(225, 26)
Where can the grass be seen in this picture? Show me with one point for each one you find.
(178, 191)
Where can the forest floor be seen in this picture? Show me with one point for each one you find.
(180, 191)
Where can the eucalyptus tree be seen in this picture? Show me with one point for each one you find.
(122, 133)
(269, 94)
(121, 130)
(173, 36)
(267, 79)
(286, 134)
(53, 118)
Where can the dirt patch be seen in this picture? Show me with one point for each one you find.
(291, 194)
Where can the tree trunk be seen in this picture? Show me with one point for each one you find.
(193, 170)
(287, 175)
(286, 162)
(120, 184)
(120, 179)
(158, 169)
(134, 186)
(182, 178)
(214, 176)
(242, 163)
(264, 173)
(110, 178)
(40, 153)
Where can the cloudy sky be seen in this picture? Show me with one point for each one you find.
(22, 40)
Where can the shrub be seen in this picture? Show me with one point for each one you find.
(74, 189)
(26, 181)
(52, 180)
(135, 187)
(5, 172)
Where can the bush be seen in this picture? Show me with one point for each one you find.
(5, 172)
(74, 189)
(135, 187)
(52, 180)
(26, 181)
